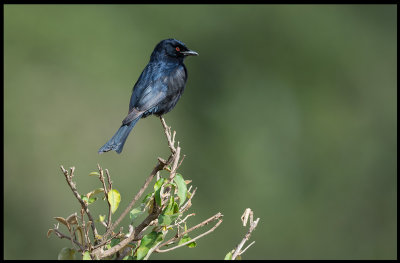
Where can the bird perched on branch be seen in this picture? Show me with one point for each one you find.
(157, 90)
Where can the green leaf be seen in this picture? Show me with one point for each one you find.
(146, 199)
(193, 244)
(135, 212)
(185, 239)
(66, 254)
(176, 208)
(166, 220)
(182, 189)
(158, 184)
(157, 197)
(101, 218)
(94, 192)
(157, 190)
(114, 198)
(148, 241)
(94, 174)
(228, 256)
(151, 206)
(115, 242)
(91, 200)
(169, 210)
(170, 213)
(86, 256)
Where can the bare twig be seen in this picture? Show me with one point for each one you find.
(85, 229)
(188, 204)
(71, 184)
(109, 179)
(106, 190)
(193, 239)
(175, 238)
(252, 243)
(184, 219)
(238, 250)
(109, 240)
(170, 137)
(183, 157)
(175, 163)
(61, 235)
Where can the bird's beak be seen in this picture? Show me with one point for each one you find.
(189, 53)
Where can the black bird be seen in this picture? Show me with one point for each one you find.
(157, 90)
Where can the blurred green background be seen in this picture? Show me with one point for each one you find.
(289, 110)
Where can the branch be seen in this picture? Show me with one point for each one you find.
(61, 236)
(188, 204)
(170, 137)
(100, 254)
(177, 237)
(193, 239)
(238, 250)
(71, 184)
(106, 190)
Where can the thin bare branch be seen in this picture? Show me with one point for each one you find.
(244, 250)
(108, 179)
(106, 190)
(205, 222)
(184, 219)
(175, 163)
(183, 157)
(193, 239)
(71, 184)
(247, 213)
(188, 204)
(61, 236)
(170, 137)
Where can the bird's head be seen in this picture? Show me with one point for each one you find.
(172, 48)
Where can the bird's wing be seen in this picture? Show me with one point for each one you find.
(153, 94)
(148, 78)
(149, 98)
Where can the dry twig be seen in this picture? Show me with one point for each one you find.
(177, 237)
(106, 191)
(71, 184)
(238, 250)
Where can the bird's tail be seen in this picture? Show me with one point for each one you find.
(117, 142)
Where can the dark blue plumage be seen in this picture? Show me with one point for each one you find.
(157, 90)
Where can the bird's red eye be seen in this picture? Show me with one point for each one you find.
(177, 49)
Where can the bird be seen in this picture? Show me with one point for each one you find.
(157, 90)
